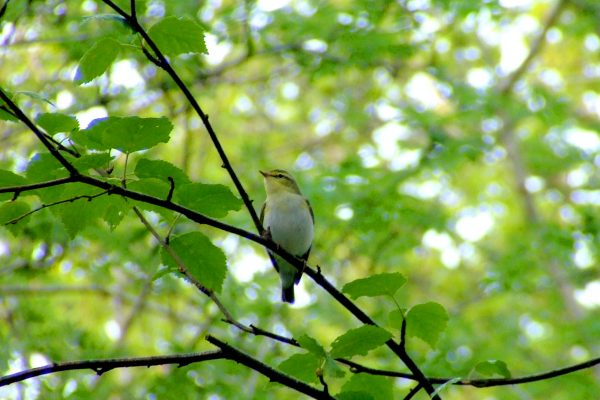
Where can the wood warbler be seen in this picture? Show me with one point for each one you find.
(288, 220)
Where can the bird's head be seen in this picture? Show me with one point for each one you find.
(278, 180)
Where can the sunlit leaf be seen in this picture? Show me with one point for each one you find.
(311, 345)
(301, 366)
(127, 134)
(204, 260)
(359, 341)
(57, 122)
(97, 60)
(177, 36)
(426, 321)
(375, 285)
(212, 200)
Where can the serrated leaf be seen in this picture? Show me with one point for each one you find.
(301, 366)
(208, 199)
(162, 170)
(377, 387)
(205, 261)
(311, 345)
(375, 285)
(127, 134)
(493, 367)
(359, 341)
(56, 122)
(176, 36)
(9, 179)
(426, 321)
(76, 215)
(12, 210)
(97, 59)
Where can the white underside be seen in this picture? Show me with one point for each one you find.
(290, 223)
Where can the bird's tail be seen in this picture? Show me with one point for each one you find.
(287, 293)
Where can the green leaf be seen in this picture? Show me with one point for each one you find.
(6, 116)
(127, 134)
(13, 209)
(8, 179)
(176, 36)
(162, 170)
(377, 387)
(90, 161)
(115, 209)
(56, 122)
(151, 187)
(301, 366)
(354, 395)
(80, 213)
(359, 341)
(154, 188)
(43, 166)
(205, 261)
(426, 321)
(332, 369)
(395, 318)
(311, 345)
(211, 200)
(493, 367)
(375, 285)
(96, 60)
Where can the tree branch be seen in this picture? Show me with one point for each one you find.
(105, 365)
(356, 368)
(238, 356)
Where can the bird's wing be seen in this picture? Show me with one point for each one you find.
(312, 214)
(262, 212)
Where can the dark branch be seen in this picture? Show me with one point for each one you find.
(102, 366)
(34, 186)
(238, 356)
(356, 368)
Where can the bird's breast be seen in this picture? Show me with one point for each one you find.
(289, 220)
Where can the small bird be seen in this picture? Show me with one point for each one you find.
(288, 220)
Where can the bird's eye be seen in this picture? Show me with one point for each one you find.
(280, 175)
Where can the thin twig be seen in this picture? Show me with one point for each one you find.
(43, 206)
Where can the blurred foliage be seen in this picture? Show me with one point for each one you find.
(393, 117)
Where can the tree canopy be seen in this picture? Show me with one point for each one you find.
(450, 151)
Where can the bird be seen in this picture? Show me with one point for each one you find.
(288, 220)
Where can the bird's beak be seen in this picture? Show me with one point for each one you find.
(265, 174)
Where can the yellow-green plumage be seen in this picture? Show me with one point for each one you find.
(288, 219)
